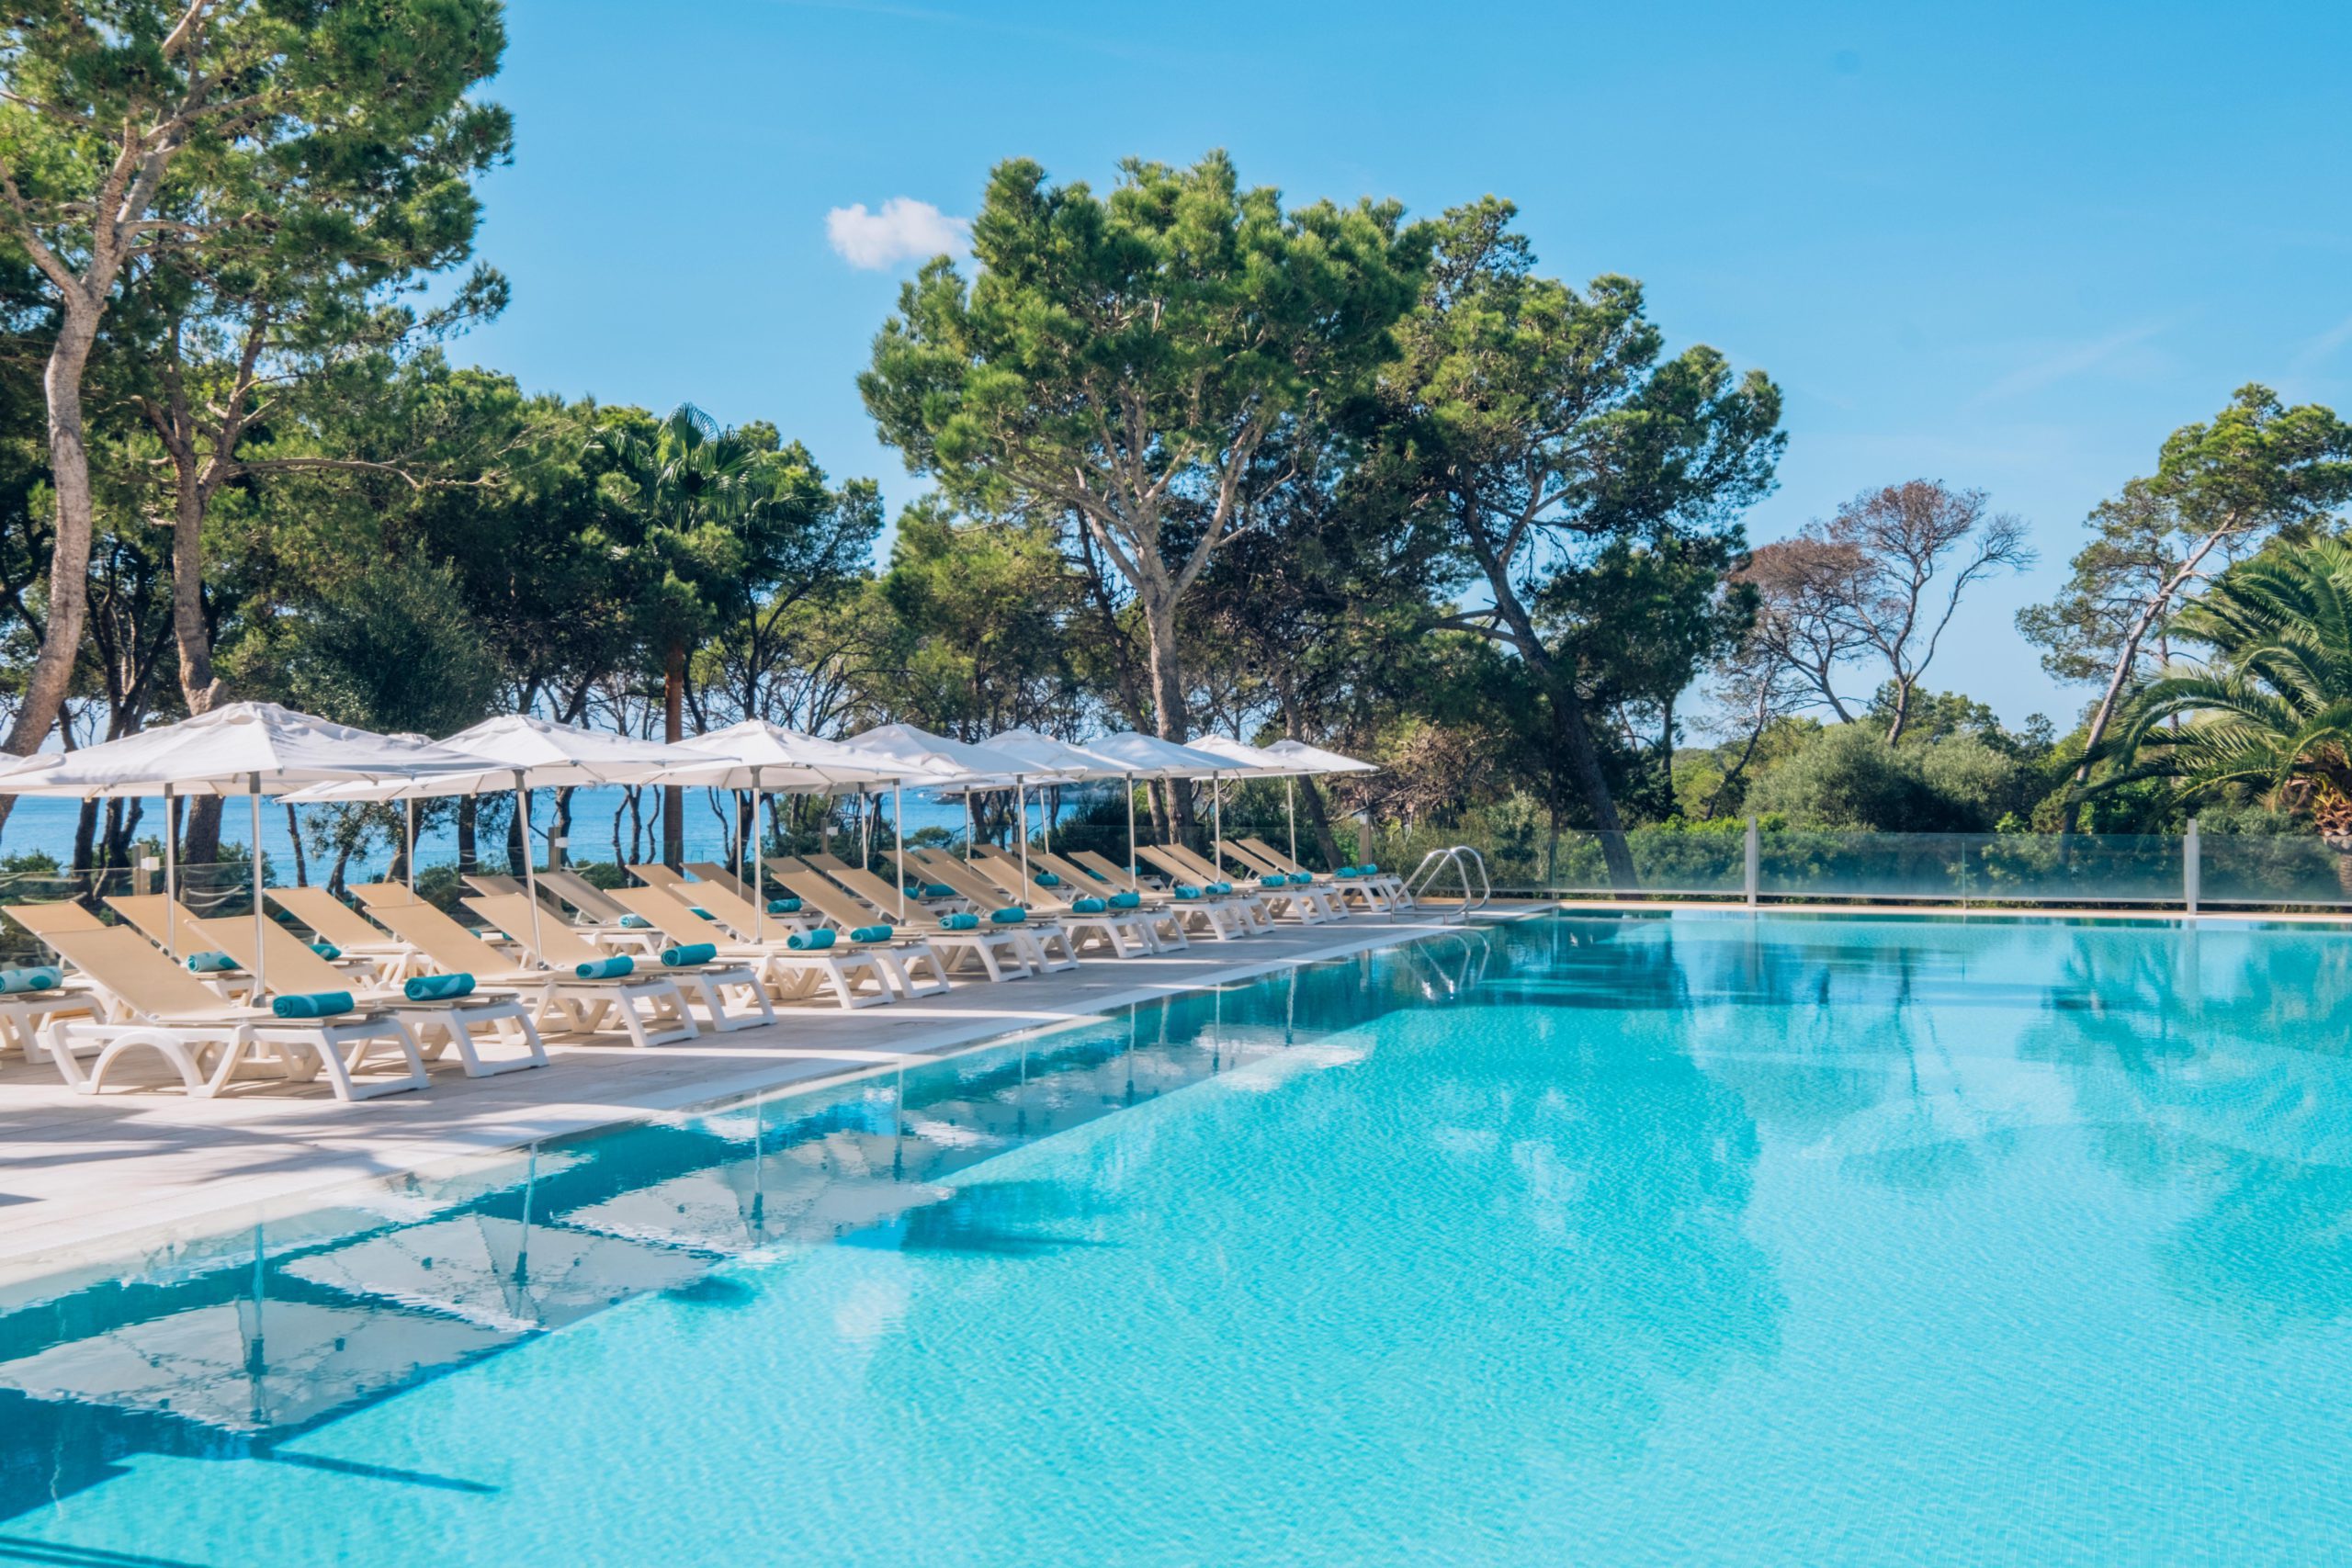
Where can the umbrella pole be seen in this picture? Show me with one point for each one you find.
(260, 946)
(411, 862)
(752, 878)
(171, 879)
(1020, 817)
(1290, 809)
(1216, 797)
(1134, 884)
(530, 877)
(898, 826)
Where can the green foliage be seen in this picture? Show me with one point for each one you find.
(388, 649)
(1849, 777)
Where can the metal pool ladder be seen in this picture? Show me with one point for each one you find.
(1462, 859)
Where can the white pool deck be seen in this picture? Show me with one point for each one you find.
(86, 1178)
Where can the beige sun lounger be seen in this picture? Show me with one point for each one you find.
(337, 924)
(1206, 916)
(560, 947)
(711, 871)
(581, 894)
(574, 1003)
(25, 1014)
(1306, 904)
(438, 1027)
(1329, 898)
(915, 966)
(1386, 891)
(1167, 923)
(163, 1007)
(790, 975)
(1047, 942)
(1182, 870)
(1116, 933)
(997, 952)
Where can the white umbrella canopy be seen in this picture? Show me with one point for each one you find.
(545, 753)
(1316, 759)
(787, 762)
(1046, 755)
(1245, 762)
(237, 749)
(1149, 757)
(962, 762)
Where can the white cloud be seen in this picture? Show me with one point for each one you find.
(905, 230)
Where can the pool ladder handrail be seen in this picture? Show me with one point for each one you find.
(1461, 857)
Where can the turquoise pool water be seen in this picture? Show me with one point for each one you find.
(1700, 1240)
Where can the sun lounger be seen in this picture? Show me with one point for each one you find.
(1047, 943)
(438, 1027)
(577, 1004)
(789, 975)
(1165, 922)
(337, 924)
(608, 934)
(1225, 919)
(162, 1008)
(593, 902)
(1190, 871)
(915, 966)
(1118, 933)
(1382, 890)
(995, 951)
(1307, 902)
(711, 871)
(24, 1014)
(560, 947)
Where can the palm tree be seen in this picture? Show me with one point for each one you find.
(688, 489)
(2271, 710)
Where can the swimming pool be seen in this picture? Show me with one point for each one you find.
(1713, 1238)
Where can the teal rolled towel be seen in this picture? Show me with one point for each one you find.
(964, 921)
(637, 922)
(313, 1004)
(1274, 882)
(1127, 900)
(871, 933)
(327, 951)
(687, 955)
(784, 906)
(811, 942)
(1087, 906)
(935, 890)
(612, 968)
(1048, 879)
(439, 987)
(1187, 892)
(210, 963)
(1347, 871)
(42, 977)
(1007, 917)
(1220, 886)
(1369, 869)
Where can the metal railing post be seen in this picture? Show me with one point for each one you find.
(2192, 869)
(1754, 857)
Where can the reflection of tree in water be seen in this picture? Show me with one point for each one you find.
(1519, 1227)
(2217, 1063)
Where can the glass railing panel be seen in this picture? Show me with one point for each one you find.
(1800, 864)
(2272, 868)
(2080, 868)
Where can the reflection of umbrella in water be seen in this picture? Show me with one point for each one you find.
(784, 1196)
(498, 1271)
(249, 1366)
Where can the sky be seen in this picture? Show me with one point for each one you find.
(2003, 246)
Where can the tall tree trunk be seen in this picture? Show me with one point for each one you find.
(466, 863)
(518, 840)
(69, 562)
(560, 838)
(86, 836)
(201, 687)
(1318, 823)
(673, 729)
(294, 834)
(1167, 713)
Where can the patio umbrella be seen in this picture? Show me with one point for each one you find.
(1070, 762)
(1310, 759)
(524, 752)
(249, 749)
(976, 767)
(769, 758)
(1243, 762)
(1152, 758)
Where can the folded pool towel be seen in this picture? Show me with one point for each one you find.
(637, 922)
(1087, 906)
(784, 906)
(1220, 886)
(1007, 917)
(41, 977)
(1347, 871)
(327, 951)
(313, 1004)
(964, 921)
(871, 933)
(1369, 869)
(687, 955)
(1048, 879)
(210, 963)
(439, 987)
(934, 890)
(811, 942)
(1127, 900)
(613, 968)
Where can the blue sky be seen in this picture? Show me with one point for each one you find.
(2009, 246)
